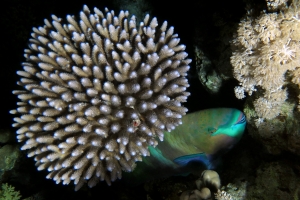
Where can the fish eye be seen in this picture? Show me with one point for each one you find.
(211, 130)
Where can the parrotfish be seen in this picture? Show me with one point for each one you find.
(195, 145)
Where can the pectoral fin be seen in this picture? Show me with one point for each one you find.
(200, 157)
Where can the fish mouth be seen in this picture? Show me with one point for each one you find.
(241, 119)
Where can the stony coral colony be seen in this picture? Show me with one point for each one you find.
(96, 92)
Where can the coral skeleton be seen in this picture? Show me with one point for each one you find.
(96, 92)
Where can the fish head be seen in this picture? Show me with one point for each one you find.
(211, 133)
(227, 133)
(230, 122)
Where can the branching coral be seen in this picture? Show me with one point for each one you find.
(8, 192)
(96, 92)
(264, 50)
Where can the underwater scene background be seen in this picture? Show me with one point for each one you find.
(228, 110)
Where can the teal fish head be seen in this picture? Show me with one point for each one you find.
(227, 133)
(207, 131)
(215, 132)
(230, 122)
